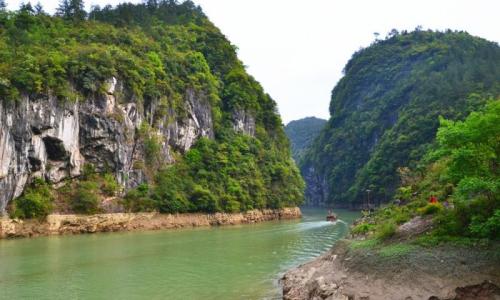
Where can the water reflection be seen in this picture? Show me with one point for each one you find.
(239, 262)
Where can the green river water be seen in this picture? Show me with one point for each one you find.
(233, 262)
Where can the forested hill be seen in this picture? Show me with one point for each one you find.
(385, 110)
(147, 103)
(302, 133)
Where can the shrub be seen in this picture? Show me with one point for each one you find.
(362, 228)
(385, 230)
(110, 186)
(86, 198)
(486, 227)
(230, 205)
(169, 193)
(448, 223)
(401, 218)
(430, 209)
(138, 200)
(204, 200)
(36, 202)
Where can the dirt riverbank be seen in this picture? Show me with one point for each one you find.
(355, 270)
(78, 224)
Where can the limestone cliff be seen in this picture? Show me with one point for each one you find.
(41, 137)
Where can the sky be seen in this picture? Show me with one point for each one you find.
(297, 49)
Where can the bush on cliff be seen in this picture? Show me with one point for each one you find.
(36, 201)
(462, 170)
(138, 200)
(238, 173)
(86, 198)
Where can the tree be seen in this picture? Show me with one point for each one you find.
(63, 8)
(39, 9)
(72, 10)
(27, 8)
(152, 4)
(3, 5)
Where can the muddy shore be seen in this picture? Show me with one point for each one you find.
(81, 224)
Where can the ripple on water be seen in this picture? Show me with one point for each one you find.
(240, 262)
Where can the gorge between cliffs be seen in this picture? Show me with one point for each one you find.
(141, 159)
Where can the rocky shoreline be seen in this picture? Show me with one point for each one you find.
(351, 271)
(81, 224)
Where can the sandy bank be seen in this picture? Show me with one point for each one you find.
(77, 224)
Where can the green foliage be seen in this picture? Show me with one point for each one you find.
(362, 228)
(364, 244)
(385, 230)
(170, 190)
(87, 193)
(204, 200)
(396, 250)
(36, 201)
(302, 133)
(431, 209)
(466, 185)
(162, 53)
(86, 198)
(486, 227)
(236, 174)
(470, 151)
(72, 10)
(109, 186)
(152, 146)
(138, 200)
(385, 110)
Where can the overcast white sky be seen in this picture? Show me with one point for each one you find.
(297, 48)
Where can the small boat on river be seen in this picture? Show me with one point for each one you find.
(331, 217)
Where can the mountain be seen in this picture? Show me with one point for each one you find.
(302, 133)
(134, 108)
(385, 111)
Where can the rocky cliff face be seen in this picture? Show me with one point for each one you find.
(316, 192)
(41, 137)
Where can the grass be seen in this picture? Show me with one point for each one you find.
(362, 228)
(433, 240)
(396, 250)
(366, 244)
(386, 230)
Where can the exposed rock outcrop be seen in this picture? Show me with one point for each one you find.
(76, 224)
(444, 272)
(316, 193)
(42, 137)
(244, 122)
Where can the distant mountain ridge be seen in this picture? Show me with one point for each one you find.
(302, 133)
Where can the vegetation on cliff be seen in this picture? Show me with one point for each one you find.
(302, 133)
(385, 110)
(157, 50)
(461, 171)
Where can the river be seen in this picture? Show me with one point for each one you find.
(232, 262)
